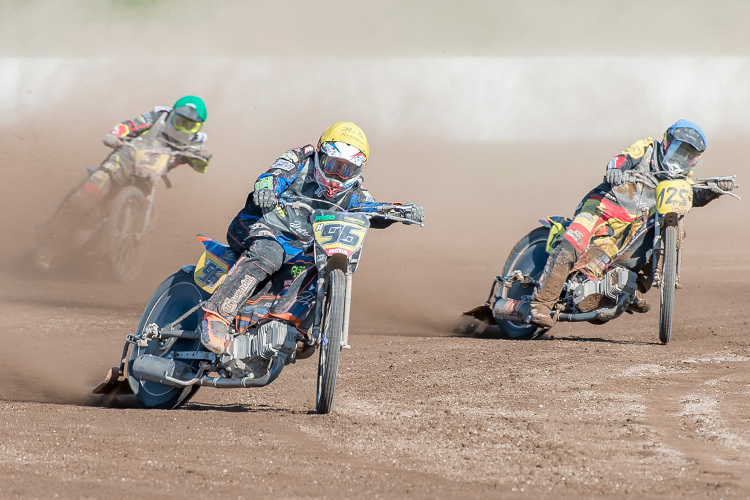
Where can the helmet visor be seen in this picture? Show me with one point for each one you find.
(680, 157)
(185, 124)
(335, 168)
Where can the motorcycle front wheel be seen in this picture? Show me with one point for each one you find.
(125, 234)
(175, 296)
(331, 332)
(529, 256)
(668, 282)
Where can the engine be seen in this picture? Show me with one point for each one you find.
(250, 352)
(587, 294)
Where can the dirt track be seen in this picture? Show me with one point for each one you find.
(421, 411)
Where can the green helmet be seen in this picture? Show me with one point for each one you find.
(185, 119)
(191, 102)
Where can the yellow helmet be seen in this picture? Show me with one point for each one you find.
(348, 133)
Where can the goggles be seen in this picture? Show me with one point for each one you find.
(340, 169)
(680, 157)
(184, 124)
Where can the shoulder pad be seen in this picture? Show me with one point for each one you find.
(638, 148)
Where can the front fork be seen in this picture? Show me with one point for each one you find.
(320, 304)
(670, 219)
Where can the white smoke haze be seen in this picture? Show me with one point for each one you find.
(462, 99)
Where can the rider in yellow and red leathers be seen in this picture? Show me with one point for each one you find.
(611, 211)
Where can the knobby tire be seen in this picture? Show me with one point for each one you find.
(332, 329)
(668, 281)
(125, 238)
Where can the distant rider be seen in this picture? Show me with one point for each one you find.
(177, 127)
(611, 211)
(262, 232)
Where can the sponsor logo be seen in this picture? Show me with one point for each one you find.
(353, 220)
(230, 304)
(306, 297)
(324, 217)
(297, 270)
(260, 229)
(576, 235)
(289, 156)
(330, 251)
(283, 164)
(264, 183)
(298, 228)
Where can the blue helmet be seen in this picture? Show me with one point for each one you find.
(681, 148)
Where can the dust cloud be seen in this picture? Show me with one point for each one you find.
(490, 114)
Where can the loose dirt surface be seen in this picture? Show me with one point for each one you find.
(421, 411)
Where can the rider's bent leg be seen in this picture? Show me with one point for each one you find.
(56, 233)
(79, 203)
(551, 283)
(261, 260)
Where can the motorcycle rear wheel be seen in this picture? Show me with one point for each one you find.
(125, 234)
(529, 256)
(172, 298)
(668, 281)
(332, 329)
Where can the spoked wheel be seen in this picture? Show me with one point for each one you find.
(528, 256)
(668, 282)
(125, 234)
(175, 296)
(332, 329)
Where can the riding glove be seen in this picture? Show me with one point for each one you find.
(412, 211)
(613, 176)
(264, 198)
(726, 185)
(113, 141)
(203, 152)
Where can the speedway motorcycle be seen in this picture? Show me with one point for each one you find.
(599, 289)
(304, 307)
(116, 229)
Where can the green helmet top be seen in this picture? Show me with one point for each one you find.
(191, 101)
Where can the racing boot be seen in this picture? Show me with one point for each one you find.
(639, 304)
(215, 332)
(551, 284)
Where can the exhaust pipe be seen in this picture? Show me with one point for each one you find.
(172, 373)
(160, 370)
(512, 310)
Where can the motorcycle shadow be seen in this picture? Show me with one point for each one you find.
(575, 338)
(129, 402)
(467, 326)
(242, 408)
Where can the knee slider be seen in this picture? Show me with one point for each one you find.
(268, 254)
(566, 251)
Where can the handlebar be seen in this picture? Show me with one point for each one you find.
(709, 183)
(172, 150)
(387, 212)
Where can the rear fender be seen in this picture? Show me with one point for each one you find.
(557, 226)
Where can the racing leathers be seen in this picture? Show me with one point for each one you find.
(115, 170)
(611, 215)
(265, 236)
